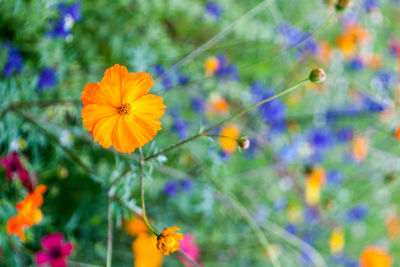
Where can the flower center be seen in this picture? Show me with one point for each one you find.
(55, 253)
(13, 166)
(125, 109)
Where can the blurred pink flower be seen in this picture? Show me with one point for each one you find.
(189, 247)
(13, 165)
(55, 251)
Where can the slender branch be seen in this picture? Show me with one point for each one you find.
(110, 232)
(240, 113)
(55, 140)
(221, 136)
(192, 262)
(115, 182)
(141, 162)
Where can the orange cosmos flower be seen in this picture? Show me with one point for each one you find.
(360, 148)
(217, 105)
(229, 143)
(118, 110)
(146, 252)
(167, 241)
(28, 213)
(375, 257)
(397, 133)
(211, 65)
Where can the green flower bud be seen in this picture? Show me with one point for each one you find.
(317, 75)
(342, 4)
(243, 142)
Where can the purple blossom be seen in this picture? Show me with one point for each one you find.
(370, 5)
(226, 70)
(47, 79)
(291, 228)
(68, 15)
(198, 104)
(14, 63)
(335, 177)
(356, 64)
(186, 185)
(357, 213)
(320, 139)
(213, 9)
(171, 188)
(55, 252)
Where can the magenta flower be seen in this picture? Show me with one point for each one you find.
(55, 251)
(189, 247)
(13, 166)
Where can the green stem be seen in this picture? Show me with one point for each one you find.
(240, 113)
(141, 162)
(221, 136)
(110, 233)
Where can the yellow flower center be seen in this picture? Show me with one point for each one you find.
(125, 109)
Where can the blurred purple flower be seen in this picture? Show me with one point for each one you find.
(159, 69)
(13, 167)
(68, 15)
(167, 83)
(14, 60)
(213, 9)
(320, 139)
(280, 203)
(171, 188)
(186, 185)
(356, 64)
(47, 79)
(345, 134)
(198, 104)
(357, 213)
(335, 177)
(291, 228)
(226, 70)
(182, 79)
(370, 5)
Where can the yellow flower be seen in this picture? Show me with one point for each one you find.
(314, 181)
(168, 240)
(211, 65)
(360, 148)
(146, 252)
(337, 240)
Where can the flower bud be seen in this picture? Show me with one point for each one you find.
(317, 75)
(342, 4)
(243, 142)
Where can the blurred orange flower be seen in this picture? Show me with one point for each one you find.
(393, 226)
(360, 148)
(146, 252)
(350, 41)
(135, 226)
(218, 105)
(228, 143)
(118, 110)
(324, 51)
(375, 257)
(211, 65)
(397, 133)
(28, 213)
(168, 240)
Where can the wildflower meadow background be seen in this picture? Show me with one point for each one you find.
(199, 133)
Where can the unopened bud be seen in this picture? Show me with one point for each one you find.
(342, 4)
(244, 143)
(317, 75)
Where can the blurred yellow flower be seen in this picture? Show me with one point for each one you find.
(228, 143)
(336, 242)
(393, 226)
(168, 240)
(314, 181)
(360, 148)
(146, 252)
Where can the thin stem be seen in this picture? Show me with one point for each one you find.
(192, 262)
(240, 113)
(110, 233)
(221, 136)
(141, 162)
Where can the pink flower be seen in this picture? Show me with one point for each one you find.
(13, 166)
(189, 247)
(55, 251)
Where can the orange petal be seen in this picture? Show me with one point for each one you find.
(103, 130)
(93, 113)
(149, 107)
(123, 139)
(111, 84)
(93, 94)
(135, 86)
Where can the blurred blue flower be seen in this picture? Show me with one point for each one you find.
(291, 228)
(159, 69)
(320, 139)
(198, 104)
(213, 9)
(386, 78)
(186, 185)
(344, 134)
(47, 79)
(68, 15)
(179, 125)
(370, 5)
(182, 79)
(292, 34)
(14, 60)
(335, 177)
(272, 112)
(167, 82)
(371, 105)
(357, 213)
(226, 70)
(171, 188)
(306, 259)
(280, 203)
(356, 64)
(311, 215)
